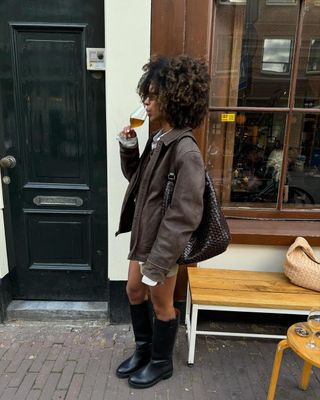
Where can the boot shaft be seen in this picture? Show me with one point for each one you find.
(141, 318)
(160, 366)
(164, 336)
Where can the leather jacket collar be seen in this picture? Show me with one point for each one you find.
(173, 135)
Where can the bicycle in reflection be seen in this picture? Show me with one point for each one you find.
(256, 175)
(261, 183)
(292, 194)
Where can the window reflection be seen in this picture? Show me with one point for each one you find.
(249, 169)
(245, 156)
(314, 57)
(276, 55)
(303, 170)
(308, 81)
(252, 54)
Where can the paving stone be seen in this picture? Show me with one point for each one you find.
(50, 386)
(66, 375)
(75, 387)
(76, 360)
(25, 386)
(3, 365)
(59, 395)
(20, 373)
(8, 394)
(34, 395)
(43, 374)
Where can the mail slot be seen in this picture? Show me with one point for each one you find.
(58, 201)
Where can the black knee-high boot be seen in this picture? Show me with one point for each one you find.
(142, 329)
(160, 366)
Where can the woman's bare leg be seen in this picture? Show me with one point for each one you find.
(162, 299)
(136, 290)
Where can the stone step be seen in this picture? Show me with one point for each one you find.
(48, 310)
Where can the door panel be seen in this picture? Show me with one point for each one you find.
(54, 125)
(50, 84)
(57, 241)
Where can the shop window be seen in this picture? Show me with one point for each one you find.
(264, 127)
(250, 169)
(276, 56)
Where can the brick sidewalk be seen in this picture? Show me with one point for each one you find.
(72, 360)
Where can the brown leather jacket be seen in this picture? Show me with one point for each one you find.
(155, 239)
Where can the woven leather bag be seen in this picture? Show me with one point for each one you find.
(301, 265)
(212, 236)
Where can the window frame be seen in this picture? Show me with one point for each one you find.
(280, 212)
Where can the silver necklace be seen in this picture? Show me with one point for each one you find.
(164, 133)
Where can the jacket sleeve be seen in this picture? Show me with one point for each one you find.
(129, 160)
(182, 217)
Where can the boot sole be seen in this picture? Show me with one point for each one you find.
(147, 385)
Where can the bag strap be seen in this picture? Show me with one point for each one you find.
(172, 174)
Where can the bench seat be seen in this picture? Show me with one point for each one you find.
(242, 291)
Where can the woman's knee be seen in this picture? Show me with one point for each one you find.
(164, 312)
(136, 294)
(163, 308)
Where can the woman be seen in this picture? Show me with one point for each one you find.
(175, 94)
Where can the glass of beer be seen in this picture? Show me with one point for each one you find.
(314, 324)
(138, 117)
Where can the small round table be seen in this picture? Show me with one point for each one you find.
(297, 343)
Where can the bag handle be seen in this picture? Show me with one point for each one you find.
(305, 247)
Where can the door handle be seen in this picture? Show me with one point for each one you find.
(8, 162)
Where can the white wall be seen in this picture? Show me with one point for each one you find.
(257, 258)
(127, 50)
(252, 257)
(3, 249)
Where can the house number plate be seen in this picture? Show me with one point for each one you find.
(58, 201)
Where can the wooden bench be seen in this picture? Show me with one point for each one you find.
(242, 291)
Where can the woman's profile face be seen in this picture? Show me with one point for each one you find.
(153, 108)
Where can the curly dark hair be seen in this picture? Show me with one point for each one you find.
(182, 87)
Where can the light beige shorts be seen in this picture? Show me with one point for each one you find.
(172, 271)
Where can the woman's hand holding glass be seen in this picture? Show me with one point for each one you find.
(137, 118)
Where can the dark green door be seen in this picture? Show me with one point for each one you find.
(52, 121)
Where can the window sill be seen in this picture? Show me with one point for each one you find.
(281, 233)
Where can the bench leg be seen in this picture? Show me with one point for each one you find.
(305, 376)
(188, 304)
(188, 312)
(193, 329)
(276, 368)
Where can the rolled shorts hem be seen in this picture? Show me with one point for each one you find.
(172, 271)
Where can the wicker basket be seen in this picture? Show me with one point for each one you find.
(301, 265)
